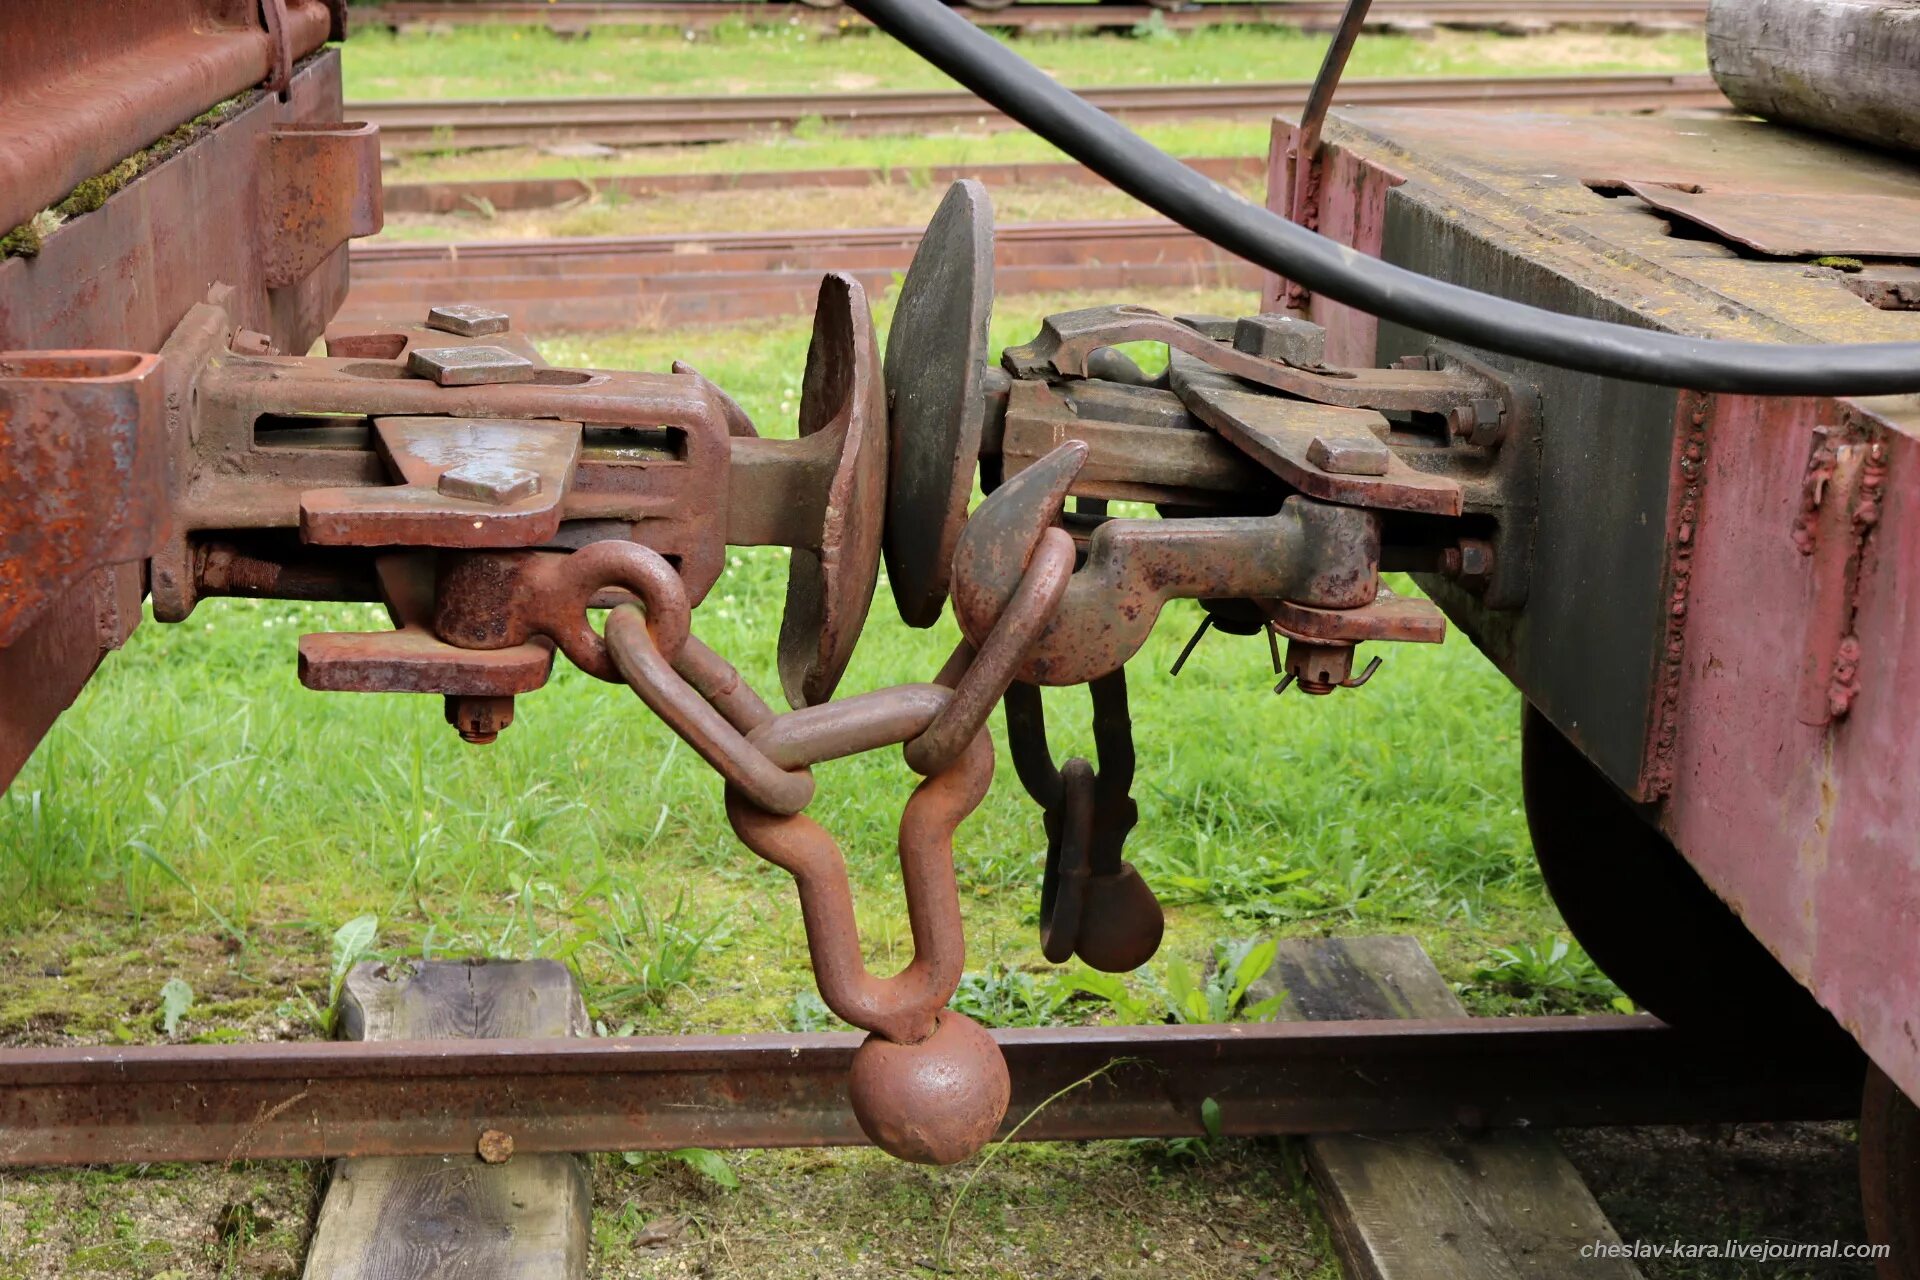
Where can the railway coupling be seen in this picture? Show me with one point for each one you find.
(491, 501)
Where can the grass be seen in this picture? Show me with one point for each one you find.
(484, 62)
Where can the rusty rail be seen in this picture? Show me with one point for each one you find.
(439, 125)
(601, 283)
(223, 1102)
(1509, 16)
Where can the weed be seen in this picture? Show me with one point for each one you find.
(1002, 997)
(1237, 966)
(1554, 976)
(710, 1165)
(654, 954)
(176, 997)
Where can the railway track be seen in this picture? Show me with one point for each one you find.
(503, 195)
(460, 124)
(660, 281)
(1512, 16)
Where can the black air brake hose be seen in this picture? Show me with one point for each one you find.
(1088, 134)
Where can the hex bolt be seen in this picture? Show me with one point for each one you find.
(1489, 423)
(479, 719)
(251, 342)
(1481, 422)
(468, 319)
(1419, 362)
(494, 483)
(1275, 335)
(1468, 562)
(1349, 455)
(470, 366)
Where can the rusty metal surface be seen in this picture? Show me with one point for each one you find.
(1306, 551)
(322, 189)
(1643, 647)
(1068, 339)
(936, 351)
(464, 482)
(107, 279)
(724, 277)
(82, 472)
(843, 415)
(1796, 224)
(262, 1101)
(1281, 435)
(111, 76)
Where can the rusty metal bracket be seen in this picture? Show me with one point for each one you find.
(1307, 551)
(321, 188)
(1066, 341)
(81, 473)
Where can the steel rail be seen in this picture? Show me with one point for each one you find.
(439, 125)
(1516, 16)
(306, 1100)
(509, 194)
(599, 283)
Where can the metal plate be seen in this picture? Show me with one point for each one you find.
(936, 353)
(830, 587)
(1796, 224)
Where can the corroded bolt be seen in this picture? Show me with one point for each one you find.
(1469, 562)
(494, 483)
(468, 320)
(1481, 422)
(1349, 455)
(251, 342)
(1411, 362)
(469, 366)
(479, 719)
(496, 1147)
(1275, 335)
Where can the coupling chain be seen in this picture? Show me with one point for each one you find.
(1092, 902)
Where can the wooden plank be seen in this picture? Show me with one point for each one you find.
(1501, 1206)
(426, 1218)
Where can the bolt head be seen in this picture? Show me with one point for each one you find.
(470, 366)
(1278, 336)
(494, 483)
(468, 319)
(1349, 455)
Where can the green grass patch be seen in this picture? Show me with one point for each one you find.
(488, 61)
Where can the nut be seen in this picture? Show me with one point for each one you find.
(1275, 335)
(479, 720)
(1481, 422)
(495, 483)
(468, 319)
(470, 366)
(251, 342)
(1349, 455)
(1219, 328)
(1469, 562)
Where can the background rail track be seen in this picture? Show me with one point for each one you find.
(1514, 16)
(457, 124)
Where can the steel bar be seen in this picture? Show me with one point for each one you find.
(72, 1105)
(1307, 15)
(439, 125)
